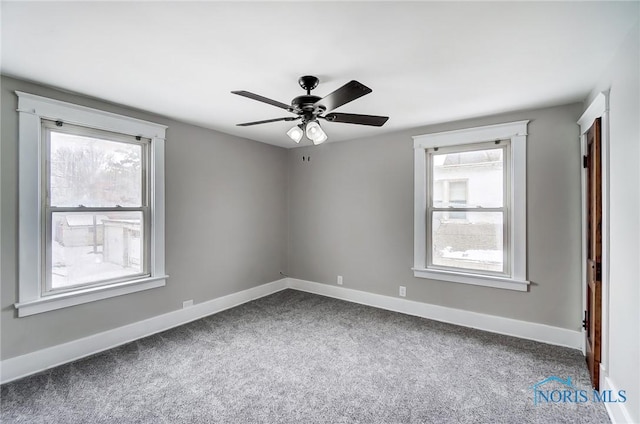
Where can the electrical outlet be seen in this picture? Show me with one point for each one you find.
(403, 291)
(187, 303)
(339, 280)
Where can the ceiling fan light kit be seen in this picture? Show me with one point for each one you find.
(296, 133)
(310, 108)
(315, 133)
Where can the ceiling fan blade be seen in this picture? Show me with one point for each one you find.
(261, 99)
(352, 118)
(288, 118)
(343, 95)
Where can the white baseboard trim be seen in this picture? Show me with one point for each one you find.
(21, 366)
(618, 412)
(34, 362)
(495, 324)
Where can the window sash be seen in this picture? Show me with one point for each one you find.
(48, 127)
(504, 210)
(506, 268)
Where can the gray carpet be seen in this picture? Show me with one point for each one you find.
(294, 357)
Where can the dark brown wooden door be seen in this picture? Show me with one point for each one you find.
(593, 314)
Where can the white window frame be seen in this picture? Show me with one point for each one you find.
(32, 110)
(516, 244)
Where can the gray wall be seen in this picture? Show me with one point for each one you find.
(622, 78)
(238, 212)
(225, 223)
(351, 214)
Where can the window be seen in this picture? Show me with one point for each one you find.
(91, 205)
(470, 205)
(467, 225)
(96, 206)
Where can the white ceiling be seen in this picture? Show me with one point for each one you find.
(427, 62)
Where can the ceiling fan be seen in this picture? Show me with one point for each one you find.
(310, 109)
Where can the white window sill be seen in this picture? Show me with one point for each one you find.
(91, 294)
(474, 279)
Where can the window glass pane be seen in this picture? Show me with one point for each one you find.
(90, 171)
(474, 243)
(468, 179)
(458, 192)
(92, 247)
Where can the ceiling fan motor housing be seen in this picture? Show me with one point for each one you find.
(307, 107)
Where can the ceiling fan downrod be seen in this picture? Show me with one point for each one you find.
(308, 82)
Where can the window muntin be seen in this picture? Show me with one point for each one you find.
(96, 207)
(467, 215)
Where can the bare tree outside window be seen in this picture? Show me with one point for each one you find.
(94, 172)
